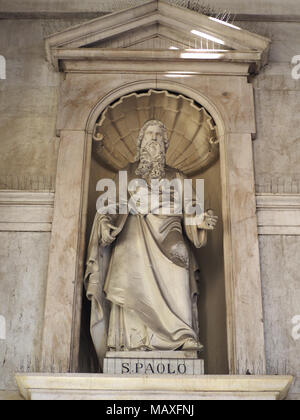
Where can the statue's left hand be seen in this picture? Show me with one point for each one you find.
(107, 233)
(209, 221)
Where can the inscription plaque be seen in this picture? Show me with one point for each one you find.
(182, 365)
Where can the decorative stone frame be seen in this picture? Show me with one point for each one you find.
(93, 79)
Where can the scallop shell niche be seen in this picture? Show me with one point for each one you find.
(194, 145)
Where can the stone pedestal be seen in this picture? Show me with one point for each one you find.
(153, 387)
(151, 363)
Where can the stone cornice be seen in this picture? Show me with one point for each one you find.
(278, 214)
(87, 8)
(89, 60)
(29, 211)
(67, 15)
(278, 201)
(26, 211)
(107, 387)
(25, 198)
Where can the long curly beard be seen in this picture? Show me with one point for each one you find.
(151, 167)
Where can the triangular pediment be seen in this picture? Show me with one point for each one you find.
(157, 37)
(156, 25)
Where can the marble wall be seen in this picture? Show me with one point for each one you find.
(281, 299)
(28, 105)
(277, 98)
(23, 275)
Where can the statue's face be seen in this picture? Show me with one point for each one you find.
(153, 140)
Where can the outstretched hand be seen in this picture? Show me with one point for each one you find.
(209, 221)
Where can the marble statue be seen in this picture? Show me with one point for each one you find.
(141, 274)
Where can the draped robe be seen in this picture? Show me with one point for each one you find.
(148, 276)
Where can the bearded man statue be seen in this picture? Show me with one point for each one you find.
(141, 274)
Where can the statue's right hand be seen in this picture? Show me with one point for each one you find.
(107, 237)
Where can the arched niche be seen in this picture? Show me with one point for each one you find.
(194, 150)
(94, 77)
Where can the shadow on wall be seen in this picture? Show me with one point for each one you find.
(212, 303)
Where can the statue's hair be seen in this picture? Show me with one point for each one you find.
(142, 134)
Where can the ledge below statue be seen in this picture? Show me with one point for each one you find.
(154, 387)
